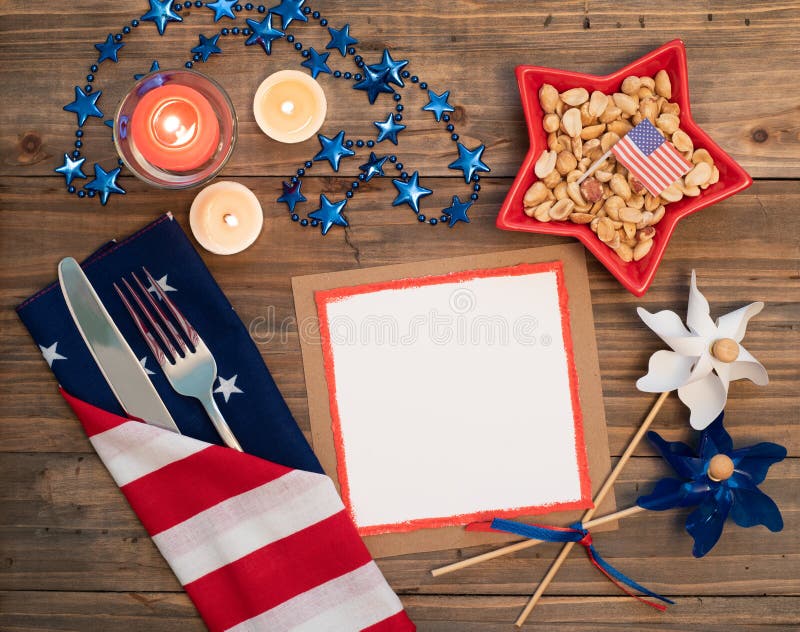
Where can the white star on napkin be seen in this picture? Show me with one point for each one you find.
(164, 286)
(700, 378)
(227, 387)
(50, 354)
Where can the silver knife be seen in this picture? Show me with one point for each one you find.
(117, 362)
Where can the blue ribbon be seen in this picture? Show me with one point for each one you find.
(576, 533)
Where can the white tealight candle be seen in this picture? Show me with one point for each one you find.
(226, 217)
(289, 106)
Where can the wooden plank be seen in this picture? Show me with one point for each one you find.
(477, 46)
(25, 611)
(759, 224)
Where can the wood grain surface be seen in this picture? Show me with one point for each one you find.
(73, 556)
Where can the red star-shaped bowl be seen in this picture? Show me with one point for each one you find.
(636, 276)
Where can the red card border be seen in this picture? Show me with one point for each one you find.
(324, 297)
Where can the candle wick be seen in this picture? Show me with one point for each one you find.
(230, 219)
(287, 107)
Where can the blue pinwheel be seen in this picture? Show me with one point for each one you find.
(719, 481)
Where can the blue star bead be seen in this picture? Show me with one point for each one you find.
(388, 129)
(469, 161)
(391, 68)
(161, 12)
(341, 39)
(222, 9)
(457, 211)
(153, 67)
(263, 33)
(410, 192)
(438, 104)
(71, 169)
(105, 183)
(316, 63)
(374, 83)
(333, 149)
(291, 195)
(108, 49)
(289, 10)
(329, 213)
(208, 46)
(374, 167)
(84, 105)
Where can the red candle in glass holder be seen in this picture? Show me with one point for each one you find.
(174, 127)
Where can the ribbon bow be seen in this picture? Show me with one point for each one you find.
(578, 534)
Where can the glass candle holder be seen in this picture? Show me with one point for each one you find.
(175, 129)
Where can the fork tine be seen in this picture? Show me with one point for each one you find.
(191, 334)
(153, 323)
(155, 349)
(164, 318)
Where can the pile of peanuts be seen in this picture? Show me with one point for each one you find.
(581, 127)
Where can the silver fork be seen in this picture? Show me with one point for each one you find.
(191, 373)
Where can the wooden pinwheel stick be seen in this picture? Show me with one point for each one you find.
(593, 167)
(607, 486)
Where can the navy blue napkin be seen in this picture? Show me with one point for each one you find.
(245, 391)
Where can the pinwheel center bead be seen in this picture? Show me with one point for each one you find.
(725, 350)
(720, 468)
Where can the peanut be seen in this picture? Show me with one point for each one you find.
(598, 103)
(548, 98)
(697, 176)
(545, 164)
(536, 194)
(631, 85)
(663, 85)
(641, 249)
(561, 209)
(575, 96)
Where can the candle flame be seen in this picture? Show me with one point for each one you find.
(230, 219)
(287, 107)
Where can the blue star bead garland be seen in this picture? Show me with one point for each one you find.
(469, 161)
(374, 79)
(208, 46)
(108, 49)
(333, 149)
(104, 183)
(341, 40)
(161, 12)
(329, 213)
(263, 33)
(410, 192)
(84, 105)
(71, 169)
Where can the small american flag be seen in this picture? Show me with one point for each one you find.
(650, 157)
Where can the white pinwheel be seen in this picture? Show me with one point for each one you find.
(704, 358)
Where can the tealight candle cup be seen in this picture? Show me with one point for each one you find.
(289, 106)
(175, 129)
(226, 217)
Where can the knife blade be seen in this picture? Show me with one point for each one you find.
(115, 359)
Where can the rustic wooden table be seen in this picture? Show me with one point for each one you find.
(72, 554)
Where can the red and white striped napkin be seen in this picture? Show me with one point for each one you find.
(258, 546)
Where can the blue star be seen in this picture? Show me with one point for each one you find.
(469, 161)
(341, 39)
(457, 211)
(84, 105)
(291, 195)
(410, 192)
(71, 169)
(161, 12)
(289, 10)
(333, 149)
(374, 167)
(109, 123)
(373, 84)
(263, 33)
(207, 46)
(388, 129)
(316, 63)
(153, 67)
(329, 213)
(438, 104)
(108, 49)
(222, 9)
(105, 183)
(390, 68)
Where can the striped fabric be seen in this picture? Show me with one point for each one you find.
(258, 546)
(650, 157)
